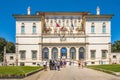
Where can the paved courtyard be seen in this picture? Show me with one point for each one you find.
(70, 73)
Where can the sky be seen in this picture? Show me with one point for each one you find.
(10, 7)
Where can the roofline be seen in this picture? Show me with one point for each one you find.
(26, 16)
(99, 16)
(63, 13)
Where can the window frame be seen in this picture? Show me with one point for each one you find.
(34, 57)
(22, 28)
(104, 52)
(21, 54)
(91, 54)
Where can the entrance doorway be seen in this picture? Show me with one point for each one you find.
(81, 53)
(54, 53)
(45, 53)
(72, 53)
(63, 52)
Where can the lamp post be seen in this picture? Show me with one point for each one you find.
(4, 60)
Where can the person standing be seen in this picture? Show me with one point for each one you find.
(79, 63)
(58, 65)
(45, 65)
(50, 64)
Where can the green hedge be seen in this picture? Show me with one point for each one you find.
(112, 67)
(17, 71)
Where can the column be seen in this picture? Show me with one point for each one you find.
(50, 53)
(86, 52)
(68, 53)
(59, 53)
(77, 53)
(40, 52)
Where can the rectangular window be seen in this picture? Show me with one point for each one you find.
(34, 29)
(93, 54)
(104, 29)
(92, 29)
(22, 29)
(34, 63)
(34, 54)
(22, 55)
(11, 58)
(104, 54)
(114, 56)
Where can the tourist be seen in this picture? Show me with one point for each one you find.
(79, 63)
(64, 63)
(50, 64)
(45, 65)
(58, 65)
(61, 63)
(70, 63)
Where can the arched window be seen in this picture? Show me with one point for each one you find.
(104, 28)
(81, 53)
(92, 28)
(72, 53)
(22, 28)
(63, 52)
(34, 28)
(45, 53)
(54, 53)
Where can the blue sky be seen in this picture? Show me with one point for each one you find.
(9, 7)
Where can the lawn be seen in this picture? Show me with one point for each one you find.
(112, 67)
(10, 70)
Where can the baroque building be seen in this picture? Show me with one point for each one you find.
(63, 35)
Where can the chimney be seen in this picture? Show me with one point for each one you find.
(29, 10)
(97, 10)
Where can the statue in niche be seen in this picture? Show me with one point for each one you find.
(79, 29)
(67, 23)
(75, 23)
(55, 31)
(51, 23)
(59, 22)
(47, 28)
(71, 31)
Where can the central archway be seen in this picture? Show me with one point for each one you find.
(45, 53)
(54, 53)
(81, 53)
(63, 52)
(72, 53)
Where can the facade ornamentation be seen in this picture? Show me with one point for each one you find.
(58, 44)
(48, 30)
(79, 31)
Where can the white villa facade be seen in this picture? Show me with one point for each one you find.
(63, 35)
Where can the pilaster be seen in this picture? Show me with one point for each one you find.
(77, 53)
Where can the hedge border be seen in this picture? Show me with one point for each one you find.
(106, 71)
(16, 76)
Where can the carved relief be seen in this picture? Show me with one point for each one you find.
(55, 31)
(48, 30)
(75, 23)
(71, 31)
(67, 23)
(51, 23)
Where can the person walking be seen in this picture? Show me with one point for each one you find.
(50, 64)
(58, 65)
(45, 65)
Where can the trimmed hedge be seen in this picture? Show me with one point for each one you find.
(18, 71)
(111, 69)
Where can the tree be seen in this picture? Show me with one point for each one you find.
(116, 46)
(10, 47)
(2, 44)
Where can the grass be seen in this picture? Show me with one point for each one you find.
(17, 70)
(112, 67)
